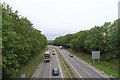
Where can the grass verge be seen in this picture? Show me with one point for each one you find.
(105, 66)
(31, 66)
(67, 70)
(62, 64)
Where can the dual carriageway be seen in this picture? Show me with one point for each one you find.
(81, 69)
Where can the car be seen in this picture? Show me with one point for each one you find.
(55, 71)
(70, 55)
(53, 53)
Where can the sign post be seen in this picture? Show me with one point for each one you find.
(23, 75)
(95, 55)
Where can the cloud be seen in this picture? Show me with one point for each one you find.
(60, 17)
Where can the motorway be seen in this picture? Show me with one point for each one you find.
(80, 69)
(45, 68)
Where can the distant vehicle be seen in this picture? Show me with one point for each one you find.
(53, 53)
(70, 55)
(55, 71)
(60, 47)
(47, 56)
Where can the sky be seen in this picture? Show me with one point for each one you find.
(56, 18)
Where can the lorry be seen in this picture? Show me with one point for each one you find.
(47, 56)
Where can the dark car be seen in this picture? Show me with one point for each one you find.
(70, 55)
(55, 71)
(53, 53)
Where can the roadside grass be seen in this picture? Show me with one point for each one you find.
(107, 67)
(66, 67)
(31, 66)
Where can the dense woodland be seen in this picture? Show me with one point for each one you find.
(20, 41)
(103, 38)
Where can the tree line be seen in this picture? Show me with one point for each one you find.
(104, 38)
(20, 41)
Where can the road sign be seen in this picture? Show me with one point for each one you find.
(95, 54)
(23, 75)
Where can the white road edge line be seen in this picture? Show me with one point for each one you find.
(85, 71)
(82, 69)
(91, 68)
(74, 69)
(59, 65)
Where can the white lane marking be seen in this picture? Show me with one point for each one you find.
(73, 68)
(83, 69)
(87, 72)
(87, 65)
(91, 68)
(59, 65)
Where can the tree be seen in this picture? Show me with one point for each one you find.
(104, 38)
(20, 41)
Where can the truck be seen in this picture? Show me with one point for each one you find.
(47, 56)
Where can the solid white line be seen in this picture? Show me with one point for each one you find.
(84, 70)
(74, 69)
(92, 68)
(89, 67)
(59, 65)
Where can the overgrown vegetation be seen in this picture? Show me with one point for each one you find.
(32, 65)
(104, 38)
(20, 41)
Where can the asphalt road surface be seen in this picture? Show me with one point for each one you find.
(45, 68)
(81, 69)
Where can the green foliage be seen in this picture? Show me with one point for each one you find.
(50, 42)
(20, 41)
(78, 42)
(103, 38)
(63, 40)
(94, 39)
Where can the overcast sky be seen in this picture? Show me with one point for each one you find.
(60, 17)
